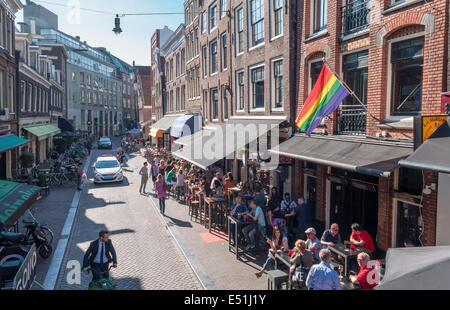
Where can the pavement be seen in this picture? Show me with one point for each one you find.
(208, 252)
(154, 252)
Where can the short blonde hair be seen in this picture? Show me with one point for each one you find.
(364, 256)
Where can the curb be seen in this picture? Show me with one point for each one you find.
(60, 251)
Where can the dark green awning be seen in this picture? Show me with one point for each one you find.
(15, 199)
(10, 142)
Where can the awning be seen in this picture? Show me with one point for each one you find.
(214, 145)
(187, 140)
(433, 154)
(185, 125)
(43, 131)
(65, 125)
(15, 199)
(156, 133)
(359, 155)
(165, 123)
(11, 142)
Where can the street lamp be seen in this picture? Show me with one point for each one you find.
(117, 30)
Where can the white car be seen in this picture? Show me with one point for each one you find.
(107, 169)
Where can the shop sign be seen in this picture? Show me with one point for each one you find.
(425, 126)
(430, 124)
(25, 276)
(284, 160)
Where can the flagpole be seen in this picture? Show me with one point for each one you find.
(352, 93)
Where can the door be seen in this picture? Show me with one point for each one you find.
(409, 224)
(311, 195)
(354, 205)
(2, 166)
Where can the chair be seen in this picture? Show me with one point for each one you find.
(275, 279)
(194, 208)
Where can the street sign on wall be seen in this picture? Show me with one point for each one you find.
(425, 126)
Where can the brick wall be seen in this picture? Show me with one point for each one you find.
(429, 211)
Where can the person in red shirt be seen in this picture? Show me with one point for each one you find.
(365, 279)
(362, 238)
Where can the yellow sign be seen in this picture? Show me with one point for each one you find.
(430, 124)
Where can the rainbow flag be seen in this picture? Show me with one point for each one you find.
(325, 98)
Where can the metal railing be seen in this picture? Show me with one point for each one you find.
(355, 16)
(352, 120)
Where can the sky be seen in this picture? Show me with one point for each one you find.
(96, 28)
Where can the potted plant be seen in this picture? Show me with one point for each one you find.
(26, 159)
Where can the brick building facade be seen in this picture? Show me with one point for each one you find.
(191, 56)
(146, 103)
(393, 55)
(173, 52)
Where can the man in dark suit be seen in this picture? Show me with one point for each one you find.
(100, 253)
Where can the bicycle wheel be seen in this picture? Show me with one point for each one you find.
(48, 233)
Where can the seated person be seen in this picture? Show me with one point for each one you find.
(287, 205)
(364, 279)
(237, 209)
(331, 237)
(246, 190)
(361, 238)
(301, 257)
(228, 182)
(217, 185)
(205, 188)
(313, 244)
(250, 231)
(276, 244)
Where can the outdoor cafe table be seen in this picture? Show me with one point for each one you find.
(346, 253)
(238, 224)
(214, 203)
(285, 259)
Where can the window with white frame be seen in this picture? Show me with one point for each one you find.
(223, 8)
(2, 23)
(407, 76)
(183, 61)
(214, 103)
(239, 12)
(197, 75)
(205, 105)
(277, 84)
(224, 103)
(177, 66)
(213, 57)
(192, 45)
(319, 15)
(2, 88)
(277, 18)
(183, 97)
(23, 92)
(223, 41)
(204, 61)
(257, 87)
(212, 16)
(196, 42)
(29, 95)
(203, 22)
(240, 90)
(178, 99)
(256, 22)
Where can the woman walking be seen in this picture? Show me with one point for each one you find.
(161, 191)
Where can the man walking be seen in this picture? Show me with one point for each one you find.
(154, 173)
(79, 175)
(322, 276)
(98, 256)
(144, 178)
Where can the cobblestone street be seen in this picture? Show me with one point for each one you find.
(148, 257)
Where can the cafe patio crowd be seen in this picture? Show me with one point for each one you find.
(259, 219)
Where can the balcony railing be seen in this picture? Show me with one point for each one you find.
(355, 16)
(352, 120)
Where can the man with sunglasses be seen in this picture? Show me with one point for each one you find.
(331, 237)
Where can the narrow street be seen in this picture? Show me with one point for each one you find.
(148, 257)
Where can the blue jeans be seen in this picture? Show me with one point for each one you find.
(79, 181)
(162, 205)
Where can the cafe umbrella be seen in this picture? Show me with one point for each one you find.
(15, 199)
(421, 268)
